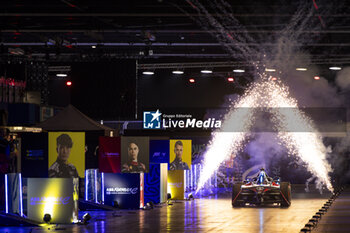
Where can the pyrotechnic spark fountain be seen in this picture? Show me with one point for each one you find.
(267, 92)
(274, 96)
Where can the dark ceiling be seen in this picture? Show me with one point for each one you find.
(164, 34)
(167, 31)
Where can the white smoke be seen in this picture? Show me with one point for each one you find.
(283, 54)
(343, 79)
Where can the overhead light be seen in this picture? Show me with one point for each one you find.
(230, 79)
(206, 71)
(148, 72)
(317, 77)
(239, 71)
(335, 68)
(192, 80)
(270, 70)
(61, 75)
(93, 46)
(178, 72)
(301, 69)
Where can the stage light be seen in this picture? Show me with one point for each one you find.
(230, 79)
(270, 70)
(69, 83)
(86, 218)
(148, 72)
(317, 77)
(150, 204)
(239, 71)
(301, 69)
(61, 75)
(115, 204)
(93, 46)
(335, 68)
(169, 199)
(192, 80)
(47, 218)
(206, 71)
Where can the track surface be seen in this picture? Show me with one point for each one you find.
(199, 215)
(337, 217)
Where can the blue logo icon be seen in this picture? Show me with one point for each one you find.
(152, 120)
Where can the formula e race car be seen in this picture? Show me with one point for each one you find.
(262, 189)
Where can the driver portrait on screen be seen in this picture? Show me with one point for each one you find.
(177, 164)
(133, 166)
(61, 168)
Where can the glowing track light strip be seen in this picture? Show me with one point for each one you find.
(96, 199)
(6, 196)
(306, 145)
(86, 185)
(20, 195)
(103, 188)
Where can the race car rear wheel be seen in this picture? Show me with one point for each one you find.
(286, 197)
(236, 202)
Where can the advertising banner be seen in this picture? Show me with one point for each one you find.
(122, 190)
(156, 183)
(34, 154)
(159, 151)
(180, 154)
(109, 154)
(66, 154)
(57, 197)
(176, 184)
(135, 154)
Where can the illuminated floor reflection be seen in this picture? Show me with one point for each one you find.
(199, 215)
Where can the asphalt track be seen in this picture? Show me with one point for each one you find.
(337, 217)
(211, 214)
